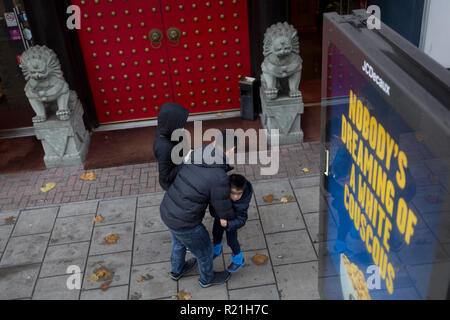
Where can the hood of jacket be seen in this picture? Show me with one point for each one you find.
(210, 157)
(171, 117)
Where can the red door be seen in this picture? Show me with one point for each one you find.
(141, 54)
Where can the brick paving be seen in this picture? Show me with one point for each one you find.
(22, 190)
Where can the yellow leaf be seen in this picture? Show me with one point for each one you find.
(111, 239)
(269, 198)
(287, 199)
(88, 176)
(305, 170)
(219, 114)
(97, 219)
(49, 186)
(93, 278)
(259, 259)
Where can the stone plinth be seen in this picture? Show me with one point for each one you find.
(284, 114)
(65, 142)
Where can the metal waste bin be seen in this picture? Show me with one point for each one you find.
(250, 100)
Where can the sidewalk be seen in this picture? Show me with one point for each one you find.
(39, 243)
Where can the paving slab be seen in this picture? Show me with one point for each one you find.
(72, 229)
(268, 292)
(152, 248)
(113, 293)
(190, 285)
(25, 250)
(308, 199)
(290, 247)
(158, 285)
(35, 221)
(253, 210)
(124, 243)
(18, 282)
(303, 182)
(251, 274)
(119, 264)
(312, 224)
(148, 220)
(117, 210)
(281, 217)
(298, 281)
(76, 209)
(5, 232)
(277, 188)
(150, 200)
(250, 236)
(55, 288)
(218, 265)
(59, 258)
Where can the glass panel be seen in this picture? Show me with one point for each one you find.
(15, 110)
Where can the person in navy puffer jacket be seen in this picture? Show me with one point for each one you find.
(241, 192)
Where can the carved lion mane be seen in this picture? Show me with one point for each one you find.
(280, 30)
(40, 62)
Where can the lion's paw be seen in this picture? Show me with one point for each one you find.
(271, 93)
(63, 115)
(39, 119)
(295, 94)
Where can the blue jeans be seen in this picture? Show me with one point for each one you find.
(198, 242)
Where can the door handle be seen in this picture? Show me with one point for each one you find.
(156, 37)
(174, 35)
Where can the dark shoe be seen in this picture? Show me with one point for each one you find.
(219, 278)
(188, 266)
(237, 261)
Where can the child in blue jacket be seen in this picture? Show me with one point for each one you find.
(241, 192)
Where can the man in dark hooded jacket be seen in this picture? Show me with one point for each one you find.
(171, 117)
(201, 182)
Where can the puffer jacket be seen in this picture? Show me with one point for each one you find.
(171, 117)
(240, 208)
(199, 183)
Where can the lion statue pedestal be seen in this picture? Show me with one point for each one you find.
(59, 113)
(281, 100)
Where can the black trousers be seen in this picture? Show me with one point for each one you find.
(232, 237)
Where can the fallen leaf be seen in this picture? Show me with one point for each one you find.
(259, 259)
(269, 198)
(93, 278)
(97, 219)
(287, 199)
(279, 257)
(219, 114)
(105, 285)
(9, 220)
(145, 278)
(305, 170)
(49, 186)
(184, 295)
(88, 176)
(112, 238)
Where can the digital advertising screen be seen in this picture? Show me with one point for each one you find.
(385, 217)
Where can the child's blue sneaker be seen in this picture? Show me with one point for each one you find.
(217, 250)
(237, 261)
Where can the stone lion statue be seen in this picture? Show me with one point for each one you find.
(45, 83)
(282, 61)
